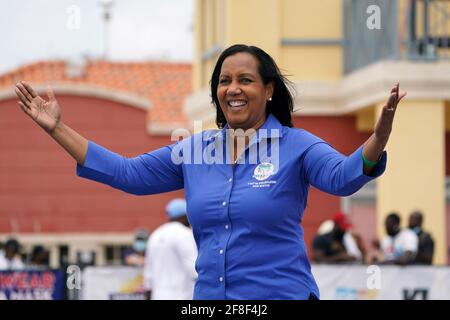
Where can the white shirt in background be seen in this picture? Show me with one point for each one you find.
(169, 270)
(394, 247)
(14, 264)
(352, 247)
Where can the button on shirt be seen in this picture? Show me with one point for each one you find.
(251, 210)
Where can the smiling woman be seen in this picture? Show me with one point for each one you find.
(242, 93)
(245, 214)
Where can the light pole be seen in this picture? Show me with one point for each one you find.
(106, 5)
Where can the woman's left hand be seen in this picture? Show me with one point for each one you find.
(383, 127)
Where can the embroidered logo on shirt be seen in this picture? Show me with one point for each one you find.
(263, 171)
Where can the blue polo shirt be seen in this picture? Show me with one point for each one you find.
(246, 216)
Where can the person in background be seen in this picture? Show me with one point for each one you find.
(338, 244)
(135, 256)
(2, 248)
(39, 258)
(169, 271)
(11, 260)
(426, 243)
(399, 246)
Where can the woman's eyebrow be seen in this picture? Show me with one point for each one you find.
(246, 74)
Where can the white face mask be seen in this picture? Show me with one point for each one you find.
(139, 245)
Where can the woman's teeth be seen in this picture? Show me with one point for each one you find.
(237, 103)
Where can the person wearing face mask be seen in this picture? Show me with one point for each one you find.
(169, 271)
(246, 183)
(135, 256)
(400, 245)
(426, 243)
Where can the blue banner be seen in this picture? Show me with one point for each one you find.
(32, 285)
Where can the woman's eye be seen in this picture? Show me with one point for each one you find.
(246, 80)
(223, 81)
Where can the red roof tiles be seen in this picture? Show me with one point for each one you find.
(165, 84)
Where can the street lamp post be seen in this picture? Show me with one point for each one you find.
(106, 5)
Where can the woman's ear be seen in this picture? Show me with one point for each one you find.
(269, 90)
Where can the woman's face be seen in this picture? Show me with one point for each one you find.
(241, 92)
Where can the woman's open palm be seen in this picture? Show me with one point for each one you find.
(47, 114)
(383, 126)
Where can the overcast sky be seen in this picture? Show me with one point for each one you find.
(32, 30)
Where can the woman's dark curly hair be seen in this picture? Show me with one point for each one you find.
(282, 103)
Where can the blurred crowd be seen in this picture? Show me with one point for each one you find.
(167, 255)
(11, 257)
(335, 242)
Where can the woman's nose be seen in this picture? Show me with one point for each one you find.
(234, 89)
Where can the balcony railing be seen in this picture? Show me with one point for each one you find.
(429, 39)
(419, 30)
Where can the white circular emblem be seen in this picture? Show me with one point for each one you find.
(263, 171)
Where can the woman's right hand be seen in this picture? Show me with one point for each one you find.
(46, 114)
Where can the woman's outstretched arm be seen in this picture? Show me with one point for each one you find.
(149, 173)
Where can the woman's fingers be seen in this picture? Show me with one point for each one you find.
(401, 96)
(24, 92)
(29, 89)
(22, 97)
(395, 97)
(50, 94)
(391, 102)
(25, 108)
(394, 88)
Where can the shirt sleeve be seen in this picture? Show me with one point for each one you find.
(332, 172)
(149, 173)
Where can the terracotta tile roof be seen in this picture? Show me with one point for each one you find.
(165, 84)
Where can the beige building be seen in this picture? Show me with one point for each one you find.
(344, 56)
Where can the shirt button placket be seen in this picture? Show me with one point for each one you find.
(226, 236)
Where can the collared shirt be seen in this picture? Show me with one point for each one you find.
(169, 271)
(245, 216)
